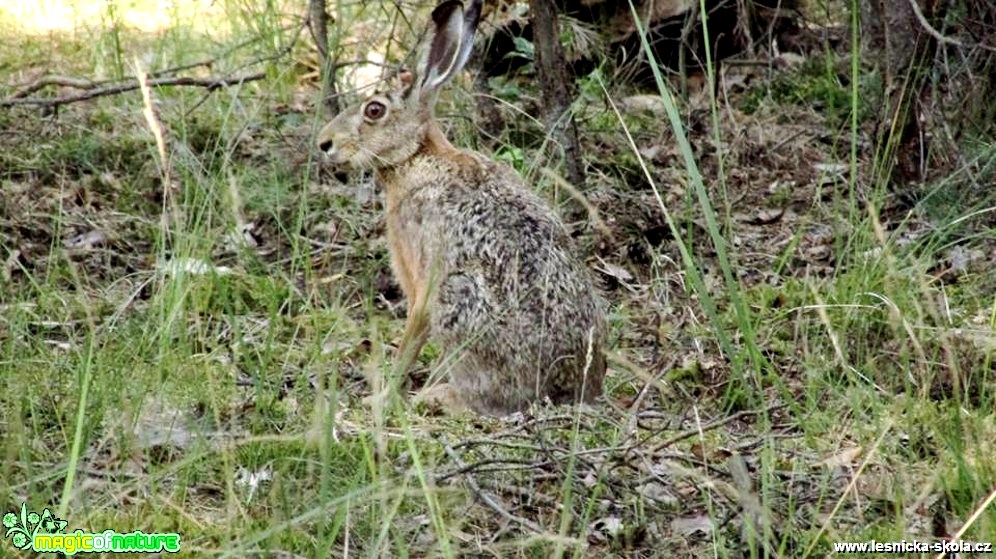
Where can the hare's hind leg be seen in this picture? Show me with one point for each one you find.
(464, 320)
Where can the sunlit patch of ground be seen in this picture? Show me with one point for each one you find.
(42, 17)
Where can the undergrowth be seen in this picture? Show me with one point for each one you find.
(187, 345)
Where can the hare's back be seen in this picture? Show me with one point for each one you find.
(500, 225)
(503, 239)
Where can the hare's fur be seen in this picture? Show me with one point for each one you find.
(487, 268)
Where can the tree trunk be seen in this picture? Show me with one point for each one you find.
(908, 53)
(554, 83)
(489, 116)
(318, 20)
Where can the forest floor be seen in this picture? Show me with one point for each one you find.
(186, 342)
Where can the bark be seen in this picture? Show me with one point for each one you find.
(674, 30)
(318, 19)
(908, 53)
(555, 84)
(489, 116)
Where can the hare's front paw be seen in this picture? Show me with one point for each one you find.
(441, 398)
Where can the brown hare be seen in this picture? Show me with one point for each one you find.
(488, 270)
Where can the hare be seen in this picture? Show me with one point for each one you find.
(486, 267)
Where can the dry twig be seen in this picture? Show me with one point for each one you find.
(687, 434)
(83, 83)
(487, 499)
(209, 83)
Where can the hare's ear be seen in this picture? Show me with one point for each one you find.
(451, 39)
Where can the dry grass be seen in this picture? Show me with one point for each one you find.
(227, 311)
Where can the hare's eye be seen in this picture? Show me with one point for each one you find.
(375, 110)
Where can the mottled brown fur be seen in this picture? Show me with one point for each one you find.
(486, 266)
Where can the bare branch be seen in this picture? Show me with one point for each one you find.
(84, 83)
(208, 83)
(933, 32)
(45, 81)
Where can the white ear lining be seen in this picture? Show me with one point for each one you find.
(448, 47)
(450, 37)
(471, 17)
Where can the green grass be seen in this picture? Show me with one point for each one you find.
(172, 378)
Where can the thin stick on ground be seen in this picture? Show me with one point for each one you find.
(487, 499)
(708, 427)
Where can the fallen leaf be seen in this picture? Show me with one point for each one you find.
(642, 104)
(831, 168)
(764, 217)
(86, 241)
(691, 525)
(604, 529)
(614, 271)
(252, 480)
(845, 457)
(194, 267)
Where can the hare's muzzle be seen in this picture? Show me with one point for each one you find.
(328, 148)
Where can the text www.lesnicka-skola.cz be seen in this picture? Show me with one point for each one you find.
(913, 546)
